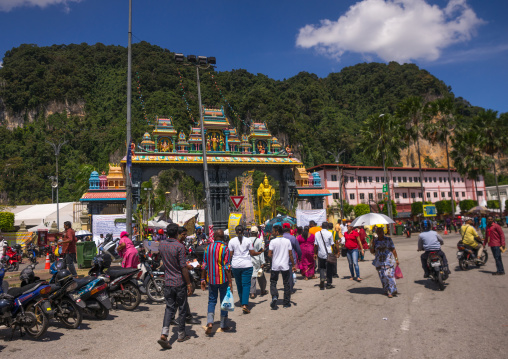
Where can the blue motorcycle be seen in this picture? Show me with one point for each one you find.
(25, 308)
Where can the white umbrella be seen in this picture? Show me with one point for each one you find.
(371, 219)
(83, 233)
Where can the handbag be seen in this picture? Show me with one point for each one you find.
(228, 303)
(330, 257)
(398, 273)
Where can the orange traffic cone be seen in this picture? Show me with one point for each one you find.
(48, 264)
(445, 231)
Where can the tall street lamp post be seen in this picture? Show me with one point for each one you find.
(56, 148)
(387, 180)
(128, 184)
(339, 178)
(201, 62)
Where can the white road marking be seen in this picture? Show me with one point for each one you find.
(406, 323)
(417, 298)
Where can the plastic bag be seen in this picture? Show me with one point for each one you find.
(398, 273)
(228, 304)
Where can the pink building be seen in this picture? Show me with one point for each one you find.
(364, 184)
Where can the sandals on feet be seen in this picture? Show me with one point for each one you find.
(225, 329)
(208, 330)
(245, 310)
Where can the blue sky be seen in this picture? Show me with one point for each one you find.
(462, 42)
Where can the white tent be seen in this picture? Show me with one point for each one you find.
(38, 214)
(184, 215)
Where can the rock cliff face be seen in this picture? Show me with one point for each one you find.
(14, 120)
(431, 155)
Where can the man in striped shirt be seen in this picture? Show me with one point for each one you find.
(217, 264)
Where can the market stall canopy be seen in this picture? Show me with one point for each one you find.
(479, 209)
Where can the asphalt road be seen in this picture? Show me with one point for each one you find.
(354, 320)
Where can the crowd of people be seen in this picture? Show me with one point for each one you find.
(249, 255)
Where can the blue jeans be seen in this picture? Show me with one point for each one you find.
(243, 278)
(496, 252)
(215, 290)
(352, 258)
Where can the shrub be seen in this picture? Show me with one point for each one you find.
(467, 204)
(385, 208)
(6, 221)
(361, 209)
(493, 204)
(444, 207)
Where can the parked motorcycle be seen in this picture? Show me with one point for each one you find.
(24, 308)
(150, 280)
(109, 247)
(122, 285)
(64, 308)
(49, 250)
(436, 269)
(90, 294)
(467, 257)
(14, 258)
(32, 252)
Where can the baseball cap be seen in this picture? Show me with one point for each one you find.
(254, 229)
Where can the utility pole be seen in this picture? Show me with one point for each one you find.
(387, 179)
(128, 184)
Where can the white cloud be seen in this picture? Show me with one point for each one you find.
(394, 30)
(7, 5)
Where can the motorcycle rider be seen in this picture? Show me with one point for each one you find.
(430, 241)
(471, 239)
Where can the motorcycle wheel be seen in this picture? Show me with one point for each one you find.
(485, 258)
(440, 281)
(70, 315)
(102, 314)
(133, 294)
(463, 265)
(155, 290)
(41, 321)
(16, 267)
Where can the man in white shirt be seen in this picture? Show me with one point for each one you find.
(323, 245)
(281, 252)
(343, 226)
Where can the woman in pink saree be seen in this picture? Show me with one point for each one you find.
(127, 251)
(307, 263)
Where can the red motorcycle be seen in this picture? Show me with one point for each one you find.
(14, 258)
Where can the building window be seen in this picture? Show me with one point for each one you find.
(404, 195)
(351, 179)
(396, 195)
(336, 195)
(425, 179)
(449, 194)
(428, 194)
(435, 179)
(463, 194)
(416, 179)
(365, 179)
(359, 180)
(404, 179)
(480, 193)
(456, 194)
(371, 195)
(440, 179)
(379, 196)
(454, 179)
(383, 179)
(413, 195)
(370, 179)
(334, 177)
(351, 196)
(346, 179)
(377, 179)
(394, 179)
(419, 195)
(399, 179)
(435, 194)
(410, 179)
(442, 195)
(362, 195)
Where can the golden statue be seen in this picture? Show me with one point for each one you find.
(265, 199)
